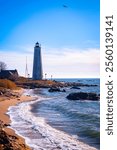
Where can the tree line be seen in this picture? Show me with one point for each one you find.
(3, 66)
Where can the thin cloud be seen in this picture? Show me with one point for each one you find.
(64, 62)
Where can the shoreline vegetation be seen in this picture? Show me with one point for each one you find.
(11, 93)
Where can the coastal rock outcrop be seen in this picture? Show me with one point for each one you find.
(56, 89)
(10, 142)
(32, 84)
(83, 96)
(9, 93)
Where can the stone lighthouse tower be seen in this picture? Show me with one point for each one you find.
(37, 63)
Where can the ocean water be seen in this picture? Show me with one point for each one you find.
(53, 122)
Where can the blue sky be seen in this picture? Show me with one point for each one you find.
(62, 32)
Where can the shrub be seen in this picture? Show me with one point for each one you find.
(4, 83)
(22, 79)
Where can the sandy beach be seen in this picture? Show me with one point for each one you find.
(15, 142)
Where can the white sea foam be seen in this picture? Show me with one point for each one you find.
(38, 134)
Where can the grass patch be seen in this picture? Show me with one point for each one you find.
(7, 84)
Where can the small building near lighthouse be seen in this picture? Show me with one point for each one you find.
(9, 74)
(37, 63)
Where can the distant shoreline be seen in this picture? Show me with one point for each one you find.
(31, 84)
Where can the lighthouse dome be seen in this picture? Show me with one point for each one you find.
(37, 44)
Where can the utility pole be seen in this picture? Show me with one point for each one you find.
(51, 77)
(26, 69)
(45, 75)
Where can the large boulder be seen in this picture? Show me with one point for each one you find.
(83, 96)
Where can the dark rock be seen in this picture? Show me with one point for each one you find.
(93, 96)
(56, 89)
(75, 87)
(6, 125)
(63, 90)
(83, 96)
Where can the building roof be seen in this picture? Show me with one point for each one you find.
(7, 73)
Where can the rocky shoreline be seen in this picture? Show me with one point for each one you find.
(9, 97)
(9, 93)
(10, 142)
(30, 84)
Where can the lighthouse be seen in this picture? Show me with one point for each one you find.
(37, 63)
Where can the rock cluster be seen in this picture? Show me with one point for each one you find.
(56, 89)
(48, 84)
(10, 142)
(9, 93)
(83, 96)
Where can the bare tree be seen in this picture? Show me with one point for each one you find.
(2, 66)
